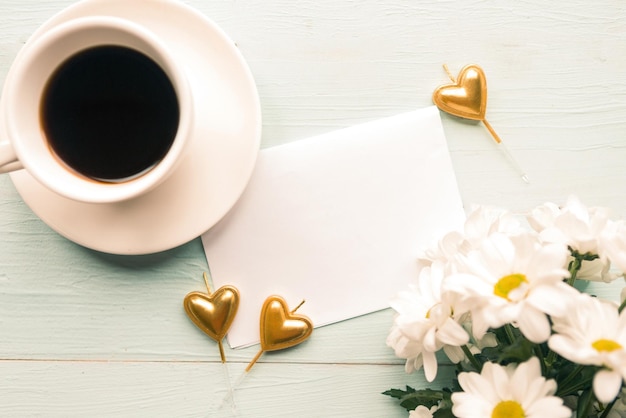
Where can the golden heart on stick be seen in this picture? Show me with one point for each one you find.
(281, 328)
(466, 97)
(213, 312)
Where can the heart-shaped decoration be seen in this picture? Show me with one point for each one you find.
(467, 97)
(281, 328)
(213, 313)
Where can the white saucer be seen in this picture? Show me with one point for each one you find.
(222, 153)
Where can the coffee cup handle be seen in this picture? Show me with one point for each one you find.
(8, 158)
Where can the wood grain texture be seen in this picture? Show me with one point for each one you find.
(90, 334)
(197, 389)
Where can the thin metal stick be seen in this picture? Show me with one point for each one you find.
(298, 307)
(222, 355)
(492, 131)
(254, 360)
(206, 282)
(508, 155)
(506, 151)
(447, 70)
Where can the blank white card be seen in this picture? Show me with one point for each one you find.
(337, 220)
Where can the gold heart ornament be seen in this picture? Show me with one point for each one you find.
(466, 97)
(281, 328)
(213, 312)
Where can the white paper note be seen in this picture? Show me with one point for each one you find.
(336, 220)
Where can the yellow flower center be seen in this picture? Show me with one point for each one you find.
(509, 283)
(606, 345)
(508, 409)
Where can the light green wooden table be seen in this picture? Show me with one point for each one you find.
(89, 334)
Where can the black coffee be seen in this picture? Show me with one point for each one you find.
(110, 113)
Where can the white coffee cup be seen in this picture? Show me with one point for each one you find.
(27, 145)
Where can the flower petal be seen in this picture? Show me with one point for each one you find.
(430, 340)
(465, 405)
(606, 385)
(430, 365)
(455, 354)
(551, 406)
(477, 384)
(452, 333)
(555, 300)
(499, 379)
(534, 325)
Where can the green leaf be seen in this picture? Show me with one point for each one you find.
(444, 413)
(584, 404)
(411, 398)
(518, 351)
(399, 393)
(426, 397)
(512, 347)
(572, 378)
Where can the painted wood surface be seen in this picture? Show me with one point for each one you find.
(90, 334)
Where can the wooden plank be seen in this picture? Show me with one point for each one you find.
(129, 389)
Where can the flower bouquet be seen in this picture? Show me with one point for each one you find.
(501, 300)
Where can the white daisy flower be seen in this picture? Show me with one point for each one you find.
(426, 323)
(595, 270)
(594, 334)
(481, 222)
(577, 227)
(508, 392)
(514, 279)
(574, 224)
(543, 216)
(444, 251)
(613, 243)
(485, 220)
